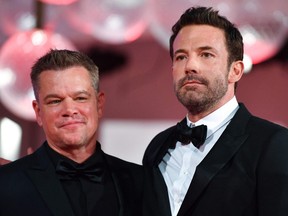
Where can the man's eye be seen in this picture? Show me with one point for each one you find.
(207, 55)
(81, 98)
(180, 57)
(54, 102)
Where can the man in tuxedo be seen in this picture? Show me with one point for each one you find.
(69, 174)
(219, 160)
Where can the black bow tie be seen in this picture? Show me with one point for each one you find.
(68, 171)
(196, 135)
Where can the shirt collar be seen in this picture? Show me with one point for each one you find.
(95, 158)
(216, 118)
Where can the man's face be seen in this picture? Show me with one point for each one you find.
(200, 71)
(69, 108)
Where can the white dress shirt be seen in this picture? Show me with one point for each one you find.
(178, 165)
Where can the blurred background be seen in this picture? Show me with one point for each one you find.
(128, 40)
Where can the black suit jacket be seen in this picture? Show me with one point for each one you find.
(29, 186)
(244, 174)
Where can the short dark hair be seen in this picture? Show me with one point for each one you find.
(60, 60)
(208, 16)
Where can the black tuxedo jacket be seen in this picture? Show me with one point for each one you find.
(244, 174)
(29, 186)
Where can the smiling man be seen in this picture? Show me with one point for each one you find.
(69, 174)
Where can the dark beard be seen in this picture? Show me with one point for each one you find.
(204, 101)
(194, 107)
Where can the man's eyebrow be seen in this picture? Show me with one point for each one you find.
(203, 48)
(179, 51)
(53, 95)
(82, 92)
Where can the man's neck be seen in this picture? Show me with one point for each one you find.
(77, 154)
(197, 117)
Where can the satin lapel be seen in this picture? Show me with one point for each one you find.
(118, 183)
(161, 194)
(227, 146)
(44, 178)
(158, 186)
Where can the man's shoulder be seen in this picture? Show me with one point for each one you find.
(124, 170)
(24, 163)
(266, 126)
(255, 125)
(158, 142)
(163, 134)
(119, 163)
(13, 170)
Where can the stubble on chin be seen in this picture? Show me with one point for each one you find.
(192, 100)
(203, 98)
(198, 101)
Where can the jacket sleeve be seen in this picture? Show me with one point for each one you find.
(272, 189)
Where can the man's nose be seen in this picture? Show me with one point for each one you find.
(192, 66)
(69, 107)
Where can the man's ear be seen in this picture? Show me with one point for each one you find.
(100, 103)
(36, 108)
(236, 72)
